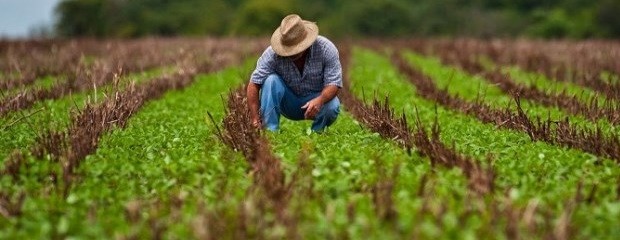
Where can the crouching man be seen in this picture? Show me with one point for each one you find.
(298, 77)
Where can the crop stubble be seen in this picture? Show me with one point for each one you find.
(466, 54)
(69, 148)
(562, 132)
(481, 179)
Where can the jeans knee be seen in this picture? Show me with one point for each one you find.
(273, 80)
(273, 86)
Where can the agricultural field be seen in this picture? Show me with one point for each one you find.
(451, 139)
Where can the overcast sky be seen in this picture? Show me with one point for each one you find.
(18, 16)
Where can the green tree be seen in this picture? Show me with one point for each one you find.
(82, 18)
(381, 18)
(341, 18)
(608, 18)
(258, 17)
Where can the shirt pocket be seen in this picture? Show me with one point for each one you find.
(314, 73)
(285, 74)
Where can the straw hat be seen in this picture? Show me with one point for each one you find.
(293, 36)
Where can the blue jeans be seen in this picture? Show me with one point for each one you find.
(277, 99)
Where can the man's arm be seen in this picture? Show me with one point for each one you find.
(264, 67)
(252, 93)
(314, 106)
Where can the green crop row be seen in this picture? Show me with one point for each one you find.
(166, 153)
(471, 87)
(167, 172)
(20, 129)
(345, 160)
(540, 81)
(526, 170)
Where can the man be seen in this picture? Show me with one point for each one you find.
(298, 76)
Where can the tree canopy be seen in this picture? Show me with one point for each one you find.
(386, 18)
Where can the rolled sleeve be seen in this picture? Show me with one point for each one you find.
(264, 67)
(333, 69)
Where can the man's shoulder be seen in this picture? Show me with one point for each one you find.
(325, 42)
(269, 55)
(269, 52)
(326, 48)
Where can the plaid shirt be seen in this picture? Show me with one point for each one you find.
(322, 68)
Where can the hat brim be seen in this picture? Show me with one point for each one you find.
(286, 51)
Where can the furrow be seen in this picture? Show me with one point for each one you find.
(381, 118)
(532, 170)
(112, 59)
(591, 108)
(584, 63)
(25, 61)
(29, 124)
(355, 176)
(156, 176)
(563, 132)
(69, 149)
(268, 174)
(90, 123)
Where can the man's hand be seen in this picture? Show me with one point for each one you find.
(313, 107)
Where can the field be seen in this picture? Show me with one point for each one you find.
(456, 139)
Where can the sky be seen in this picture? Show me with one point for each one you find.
(18, 16)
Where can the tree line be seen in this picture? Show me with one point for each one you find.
(345, 18)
